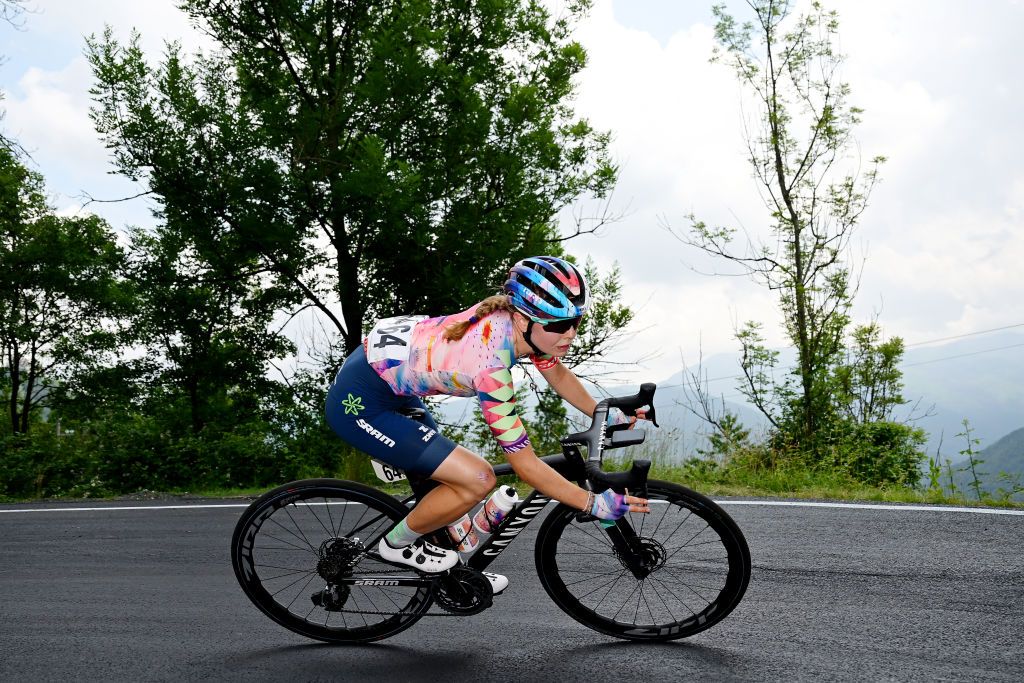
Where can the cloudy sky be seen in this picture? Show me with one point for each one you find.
(938, 80)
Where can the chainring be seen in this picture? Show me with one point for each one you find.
(463, 591)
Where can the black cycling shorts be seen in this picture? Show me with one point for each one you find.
(363, 410)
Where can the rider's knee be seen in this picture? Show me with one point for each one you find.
(478, 485)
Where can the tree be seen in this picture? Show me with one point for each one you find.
(801, 156)
(59, 288)
(377, 157)
(870, 382)
(206, 328)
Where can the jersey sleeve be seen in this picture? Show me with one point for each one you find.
(543, 362)
(498, 403)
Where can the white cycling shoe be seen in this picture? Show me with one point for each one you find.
(498, 582)
(421, 555)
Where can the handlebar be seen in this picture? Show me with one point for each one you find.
(595, 437)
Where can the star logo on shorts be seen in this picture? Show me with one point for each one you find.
(353, 404)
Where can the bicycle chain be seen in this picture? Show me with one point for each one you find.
(395, 614)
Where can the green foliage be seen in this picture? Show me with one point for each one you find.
(879, 453)
(870, 382)
(798, 151)
(59, 286)
(729, 437)
(385, 157)
(833, 408)
(973, 461)
(371, 158)
(550, 422)
(605, 323)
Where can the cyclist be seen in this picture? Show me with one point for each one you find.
(466, 354)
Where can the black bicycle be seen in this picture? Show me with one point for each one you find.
(305, 553)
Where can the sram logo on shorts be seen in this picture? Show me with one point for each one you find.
(368, 428)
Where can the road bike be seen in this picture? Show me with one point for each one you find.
(305, 552)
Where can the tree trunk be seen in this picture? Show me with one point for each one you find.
(15, 370)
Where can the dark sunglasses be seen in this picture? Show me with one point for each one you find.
(562, 326)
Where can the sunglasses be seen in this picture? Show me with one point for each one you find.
(562, 326)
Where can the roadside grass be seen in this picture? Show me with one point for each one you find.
(793, 482)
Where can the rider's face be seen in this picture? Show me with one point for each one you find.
(551, 343)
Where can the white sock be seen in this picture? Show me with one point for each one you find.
(401, 535)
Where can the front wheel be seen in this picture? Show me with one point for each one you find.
(295, 545)
(696, 566)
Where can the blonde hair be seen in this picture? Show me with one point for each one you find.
(498, 302)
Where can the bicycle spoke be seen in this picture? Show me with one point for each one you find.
(330, 519)
(674, 595)
(592, 578)
(667, 608)
(297, 527)
(687, 552)
(624, 602)
(310, 547)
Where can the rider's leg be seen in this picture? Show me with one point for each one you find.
(465, 479)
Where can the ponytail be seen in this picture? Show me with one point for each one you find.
(498, 302)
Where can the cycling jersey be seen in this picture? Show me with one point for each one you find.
(411, 355)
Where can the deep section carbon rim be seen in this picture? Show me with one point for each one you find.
(697, 558)
(290, 542)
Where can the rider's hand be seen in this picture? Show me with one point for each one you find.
(611, 505)
(641, 414)
(617, 417)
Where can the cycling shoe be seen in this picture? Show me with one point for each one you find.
(499, 582)
(420, 555)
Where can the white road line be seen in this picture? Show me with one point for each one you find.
(871, 506)
(765, 503)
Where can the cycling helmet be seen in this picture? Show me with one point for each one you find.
(547, 288)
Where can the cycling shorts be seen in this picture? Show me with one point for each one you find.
(363, 410)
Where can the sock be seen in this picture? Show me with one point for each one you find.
(401, 535)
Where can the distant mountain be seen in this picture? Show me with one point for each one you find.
(1004, 456)
(1007, 454)
(976, 378)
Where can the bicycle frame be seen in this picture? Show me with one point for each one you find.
(570, 464)
(508, 529)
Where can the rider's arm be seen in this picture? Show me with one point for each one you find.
(545, 479)
(498, 405)
(570, 388)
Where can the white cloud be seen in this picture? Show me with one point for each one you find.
(940, 98)
(941, 229)
(49, 115)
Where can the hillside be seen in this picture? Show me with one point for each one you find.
(1005, 455)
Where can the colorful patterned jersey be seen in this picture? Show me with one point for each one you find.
(411, 355)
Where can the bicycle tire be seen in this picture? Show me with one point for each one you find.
(300, 517)
(577, 565)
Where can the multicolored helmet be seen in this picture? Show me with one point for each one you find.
(545, 288)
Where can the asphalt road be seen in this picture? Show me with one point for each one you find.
(836, 595)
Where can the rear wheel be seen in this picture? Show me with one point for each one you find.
(294, 542)
(696, 567)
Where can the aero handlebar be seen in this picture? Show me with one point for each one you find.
(594, 438)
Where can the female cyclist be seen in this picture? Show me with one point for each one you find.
(466, 354)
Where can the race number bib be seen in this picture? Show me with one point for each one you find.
(386, 473)
(389, 339)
